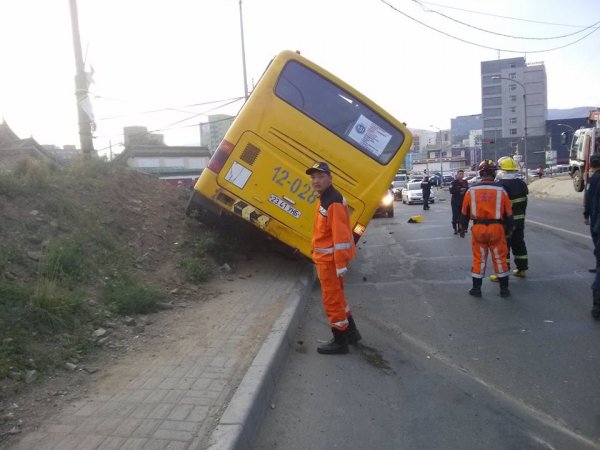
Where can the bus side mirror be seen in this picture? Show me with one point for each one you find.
(563, 137)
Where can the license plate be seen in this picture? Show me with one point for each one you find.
(285, 206)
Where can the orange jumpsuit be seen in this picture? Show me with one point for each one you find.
(488, 205)
(333, 248)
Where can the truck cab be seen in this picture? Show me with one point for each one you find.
(584, 143)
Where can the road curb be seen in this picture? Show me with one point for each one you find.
(240, 422)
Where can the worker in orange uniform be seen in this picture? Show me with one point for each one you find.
(488, 205)
(333, 248)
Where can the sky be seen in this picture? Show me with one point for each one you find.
(175, 56)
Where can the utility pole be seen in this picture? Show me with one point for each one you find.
(81, 87)
(243, 54)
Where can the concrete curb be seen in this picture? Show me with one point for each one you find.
(241, 420)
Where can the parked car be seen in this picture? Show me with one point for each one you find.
(448, 179)
(386, 205)
(474, 179)
(559, 169)
(413, 194)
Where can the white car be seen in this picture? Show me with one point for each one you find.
(474, 179)
(412, 193)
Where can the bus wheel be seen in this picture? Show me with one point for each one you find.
(578, 181)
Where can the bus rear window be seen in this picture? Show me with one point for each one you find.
(338, 111)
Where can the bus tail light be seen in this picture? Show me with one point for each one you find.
(358, 231)
(219, 158)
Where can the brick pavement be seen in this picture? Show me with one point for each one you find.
(174, 397)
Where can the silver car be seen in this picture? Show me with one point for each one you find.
(412, 193)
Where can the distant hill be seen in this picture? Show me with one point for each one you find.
(571, 113)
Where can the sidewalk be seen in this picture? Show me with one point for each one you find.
(216, 369)
(559, 187)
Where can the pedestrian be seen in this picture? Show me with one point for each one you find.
(509, 177)
(426, 191)
(333, 248)
(591, 214)
(540, 172)
(458, 188)
(488, 205)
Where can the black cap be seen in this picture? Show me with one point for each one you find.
(319, 167)
(595, 158)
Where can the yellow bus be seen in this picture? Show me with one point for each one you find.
(298, 114)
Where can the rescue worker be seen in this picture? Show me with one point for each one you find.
(458, 188)
(488, 205)
(591, 214)
(426, 190)
(509, 177)
(589, 197)
(333, 248)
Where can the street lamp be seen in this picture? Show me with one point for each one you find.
(243, 53)
(497, 77)
(441, 167)
(571, 129)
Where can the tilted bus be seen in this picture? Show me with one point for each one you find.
(298, 114)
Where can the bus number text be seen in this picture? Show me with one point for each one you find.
(302, 190)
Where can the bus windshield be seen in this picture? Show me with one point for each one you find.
(339, 112)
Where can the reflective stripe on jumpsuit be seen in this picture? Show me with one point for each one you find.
(487, 203)
(333, 248)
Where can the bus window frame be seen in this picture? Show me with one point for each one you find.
(364, 151)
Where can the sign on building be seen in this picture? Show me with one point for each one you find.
(551, 158)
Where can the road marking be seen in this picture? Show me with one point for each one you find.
(521, 405)
(540, 224)
(431, 239)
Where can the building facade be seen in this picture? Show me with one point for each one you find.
(514, 98)
(213, 131)
(13, 149)
(147, 152)
(461, 127)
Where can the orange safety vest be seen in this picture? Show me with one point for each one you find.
(332, 241)
(487, 201)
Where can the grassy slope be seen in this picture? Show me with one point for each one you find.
(80, 245)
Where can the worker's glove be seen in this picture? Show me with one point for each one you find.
(341, 272)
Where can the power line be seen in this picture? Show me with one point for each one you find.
(502, 17)
(421, 4)
(175, 108)
(172, 127)
(486, 46)
(205, 112)
(122, 144)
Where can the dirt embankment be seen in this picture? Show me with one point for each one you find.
(555, 187)
(81, 250)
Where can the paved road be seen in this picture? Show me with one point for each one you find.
(439, 369)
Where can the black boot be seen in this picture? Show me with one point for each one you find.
(353, 333)
(504, 291)
(338, 345)
(455, 228)
(476, 289)
(596, 307)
